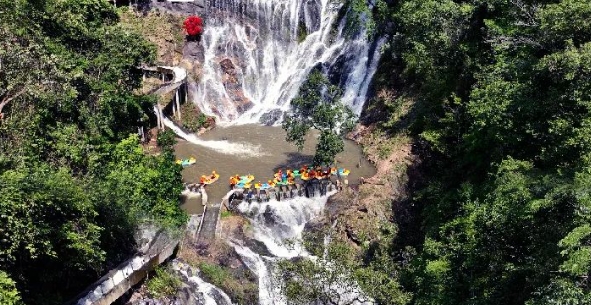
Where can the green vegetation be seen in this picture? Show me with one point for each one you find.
(225, 214)
(165, 31)
(75, 181)
(503, 98)
(318, 106)
(339, 274)
(500, 112)
(240, 291)
(302, 32)
(165, 283)
(193, 119)
(8, 293)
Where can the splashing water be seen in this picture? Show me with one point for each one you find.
(279, 226)
(230, 148)
(254, 62)
(206, 293)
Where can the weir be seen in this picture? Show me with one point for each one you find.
(307, 189)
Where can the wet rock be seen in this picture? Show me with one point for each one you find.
(318, 224)
(231, 78)
(194, 51)
(271, 117)
(269, 216)
(257, 246)
(338, 68)
(310, 14)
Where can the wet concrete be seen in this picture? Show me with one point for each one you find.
(274, 153)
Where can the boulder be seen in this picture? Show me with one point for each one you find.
(271, 117)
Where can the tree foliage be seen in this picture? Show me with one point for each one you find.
(318, 106)
(75, 184)
(502, 122)
(8, 293)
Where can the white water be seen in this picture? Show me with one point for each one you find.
(259, 37)
(279, 226)
(206, 293)
(280, 231)
(230, 148)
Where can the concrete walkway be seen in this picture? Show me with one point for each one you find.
(209, 225)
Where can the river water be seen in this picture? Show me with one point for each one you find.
(257, 150)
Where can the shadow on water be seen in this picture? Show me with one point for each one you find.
(294, 160)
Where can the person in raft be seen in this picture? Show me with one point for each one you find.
(213, 174)
(202, 180)
(233, 180)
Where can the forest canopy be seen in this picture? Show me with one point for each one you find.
(498, 210)
(75, 181)
(501, 120)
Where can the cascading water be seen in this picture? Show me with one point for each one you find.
(279, 226)
(205, 293)
(254, 63)
(257, 53)
(223, 146)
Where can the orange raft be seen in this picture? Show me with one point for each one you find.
(209, 179)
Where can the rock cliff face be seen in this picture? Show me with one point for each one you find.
(231, 79)
(196, 7)
(362, 213)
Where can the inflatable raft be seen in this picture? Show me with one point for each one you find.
(243, 185)
(343, 172)
(186, 162)
(246, 179)
(210, 179)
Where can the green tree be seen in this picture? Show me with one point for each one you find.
(75, 185)
(8, 293)
(318, 106)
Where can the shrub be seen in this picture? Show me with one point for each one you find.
(164, 283)
(166, 139)
(193, 119)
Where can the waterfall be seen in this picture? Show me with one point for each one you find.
(223, 146)
(279, 226)
(205, 293)
(254, 63)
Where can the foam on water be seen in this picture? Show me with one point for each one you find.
(223, 146)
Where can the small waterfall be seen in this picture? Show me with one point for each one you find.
(225, 147)
(205, 293)
(269, 292)
(279, 226)
(254, 63)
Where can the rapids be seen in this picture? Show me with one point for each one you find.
(279, 226)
